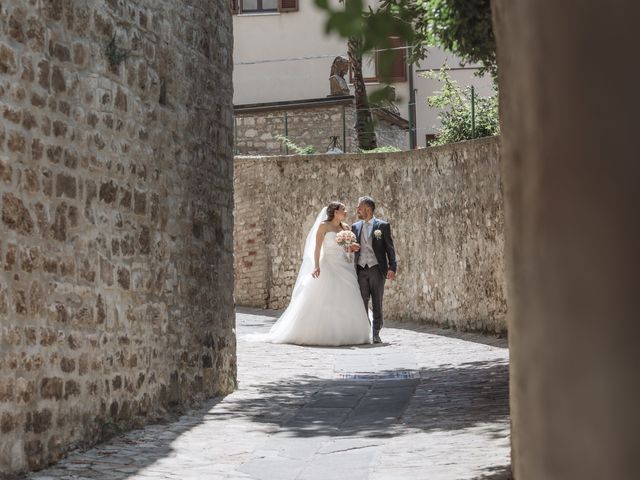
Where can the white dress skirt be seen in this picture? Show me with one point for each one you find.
(327, 310)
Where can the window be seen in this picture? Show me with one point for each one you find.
(250, 6)
(370, 67)
(398, 69)
(258, 6)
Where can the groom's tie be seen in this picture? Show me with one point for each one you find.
(365, 232)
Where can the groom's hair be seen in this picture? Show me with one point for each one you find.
(369, 202)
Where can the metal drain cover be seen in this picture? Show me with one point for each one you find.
(395, 375)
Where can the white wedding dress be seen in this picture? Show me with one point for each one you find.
(327, 310)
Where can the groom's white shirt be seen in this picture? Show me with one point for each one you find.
(370, 231)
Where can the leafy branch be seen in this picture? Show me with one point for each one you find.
(459, 113)
(309, 149)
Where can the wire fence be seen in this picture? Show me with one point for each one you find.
(312, 57)
(318, 128)
(315, 131)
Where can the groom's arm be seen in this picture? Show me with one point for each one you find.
(390, 248)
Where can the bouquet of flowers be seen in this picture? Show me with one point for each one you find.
(345, 239)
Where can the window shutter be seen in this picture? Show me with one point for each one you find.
(288, 5)
(234, 6)
(399, 64)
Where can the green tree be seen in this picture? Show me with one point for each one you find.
(365, 130)
(456, 115)
(461, 26)
(365, 31)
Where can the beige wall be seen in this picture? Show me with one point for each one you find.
(283, 35)
(444, 205)
(301, 34)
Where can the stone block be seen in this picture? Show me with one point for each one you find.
(140, 202)
(6, 171)
(38, 421)
(30, 181)
(8, 422)
(34, 452)
(16, 142)
(59, 51)
(124, 279)
(71, 389)
(106, 271)
(43, 74)
(7, 390)
(66, 186)
(59, 227)
(15, 215)
(70, 159)
(60, 128)
(67, 365)
(7, 60)
(108, 192)
(51, 388)
(30, 259)
(54, 153)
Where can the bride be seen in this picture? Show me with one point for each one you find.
(326, 306)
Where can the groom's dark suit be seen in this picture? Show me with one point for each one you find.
(371, 278)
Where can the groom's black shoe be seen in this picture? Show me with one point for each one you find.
(376, 338)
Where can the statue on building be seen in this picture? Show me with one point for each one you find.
(337, 82)
(389, 99)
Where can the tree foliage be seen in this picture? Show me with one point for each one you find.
(461, 26)
(294, 147)
(456, 115)
(364, 126)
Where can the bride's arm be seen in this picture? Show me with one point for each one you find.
(316, 253)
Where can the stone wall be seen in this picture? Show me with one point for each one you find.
(256, 132)
(116, 217)
(389, 135)
(444, 205)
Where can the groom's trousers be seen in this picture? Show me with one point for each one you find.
(371, 282)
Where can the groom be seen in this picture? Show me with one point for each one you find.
(375, 259)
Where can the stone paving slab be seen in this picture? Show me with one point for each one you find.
(427, 404)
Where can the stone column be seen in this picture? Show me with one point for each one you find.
(569, 118)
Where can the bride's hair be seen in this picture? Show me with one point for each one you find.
(331, 211)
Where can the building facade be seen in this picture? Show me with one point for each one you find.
(282, 54)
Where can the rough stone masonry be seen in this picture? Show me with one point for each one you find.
(446, 212)
(116, 269)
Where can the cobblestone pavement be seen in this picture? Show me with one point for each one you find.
(426, 404)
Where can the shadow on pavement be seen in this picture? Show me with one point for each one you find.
(441, 399)
(123, 456)
(497, 473)
(378, 405)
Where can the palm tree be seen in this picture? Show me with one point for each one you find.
(364, 121)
